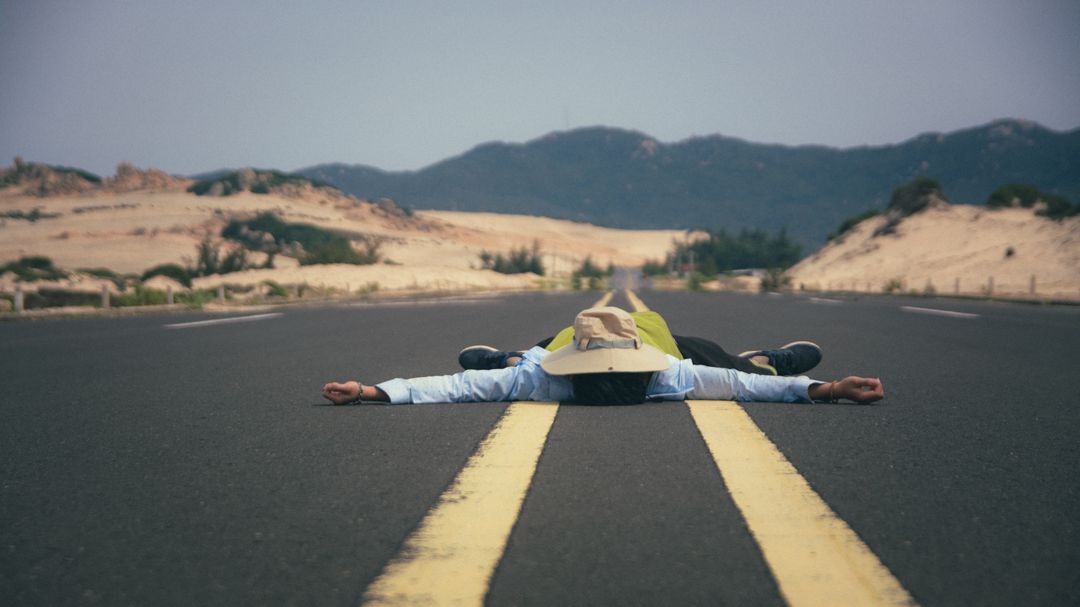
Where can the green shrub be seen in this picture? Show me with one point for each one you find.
(695, 281)
(1027, 196)
(721, 252)
(53, 298)
(590, 275)
(1057, 207)
(140, 296)
(263, 182)
(1023, 194)
(195, 299)
(654, 268)
(774, 280)
(33, 268)
(893, 285)
(518, 261)
(914, 195)
(274, 289)
(847, 224)
(319, 245)
(118, 280)
(171, 270)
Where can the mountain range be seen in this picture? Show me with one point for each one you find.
(621, 178)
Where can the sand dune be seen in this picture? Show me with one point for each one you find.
(951, 249)
(129, 232)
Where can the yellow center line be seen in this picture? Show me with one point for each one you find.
(813, 554)
(635, 302)
(450, 557)
(604, 299)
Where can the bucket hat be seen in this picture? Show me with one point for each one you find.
(606, 340)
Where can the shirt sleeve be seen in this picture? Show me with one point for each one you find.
(711, 383)
(526, 381)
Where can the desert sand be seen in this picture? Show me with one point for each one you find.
(953, 249)
(129, 232)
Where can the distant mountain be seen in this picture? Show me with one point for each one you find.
(627, 179)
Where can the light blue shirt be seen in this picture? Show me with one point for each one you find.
(682, 380)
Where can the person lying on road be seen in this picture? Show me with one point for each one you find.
(610, 357)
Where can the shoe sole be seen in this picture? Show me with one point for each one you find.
(794, 343)
(488, 348)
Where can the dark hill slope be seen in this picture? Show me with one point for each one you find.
(627, 179)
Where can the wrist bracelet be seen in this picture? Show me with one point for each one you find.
(832, 392)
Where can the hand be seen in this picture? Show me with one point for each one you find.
(341, 393)
(859, 389)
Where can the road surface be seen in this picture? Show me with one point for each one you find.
(143, 463)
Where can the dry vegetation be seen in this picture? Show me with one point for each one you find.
(120, 225)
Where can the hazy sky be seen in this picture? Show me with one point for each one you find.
(197, 85)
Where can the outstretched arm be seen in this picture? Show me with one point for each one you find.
(711, 383)
(352, 391)
(857, 389)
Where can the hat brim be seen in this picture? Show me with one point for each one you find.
(568, 360)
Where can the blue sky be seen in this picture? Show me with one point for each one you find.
(193, 86)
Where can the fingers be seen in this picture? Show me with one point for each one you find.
(866, 389)
(338, 393)
(860, 389)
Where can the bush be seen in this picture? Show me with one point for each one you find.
(695, 281)
(894, 285)
(256, 181)
(518, 261)
(195, 299)
(847, 224)
(171, 270)
(774, 280)
(589, 275)
(118, 280)
(269, 234)
(33, 268)
(1013, 194)
(274, 289)
(1028, 196)
(52, 298)
(914, 195)
(749, 249)
(654, 268)
(141, 296)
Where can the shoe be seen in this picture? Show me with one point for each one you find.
(795, 358)
(483, 358)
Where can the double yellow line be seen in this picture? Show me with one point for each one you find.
(814, 556)
(450, 557)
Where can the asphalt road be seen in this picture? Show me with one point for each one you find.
(146, 465)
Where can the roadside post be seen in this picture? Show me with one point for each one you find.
(169, 295)
(18, 299)
(104, 296)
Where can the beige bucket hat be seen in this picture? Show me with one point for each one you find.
(606, 340)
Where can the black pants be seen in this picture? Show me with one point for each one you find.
(703, 352)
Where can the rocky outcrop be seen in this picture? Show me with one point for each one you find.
(43, 180)
(128, 178)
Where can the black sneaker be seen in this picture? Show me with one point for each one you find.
(795, 358)
(483, 358)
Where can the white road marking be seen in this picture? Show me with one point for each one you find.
(936, 312)
(824, 300)
(222, 321)
(437, 301)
